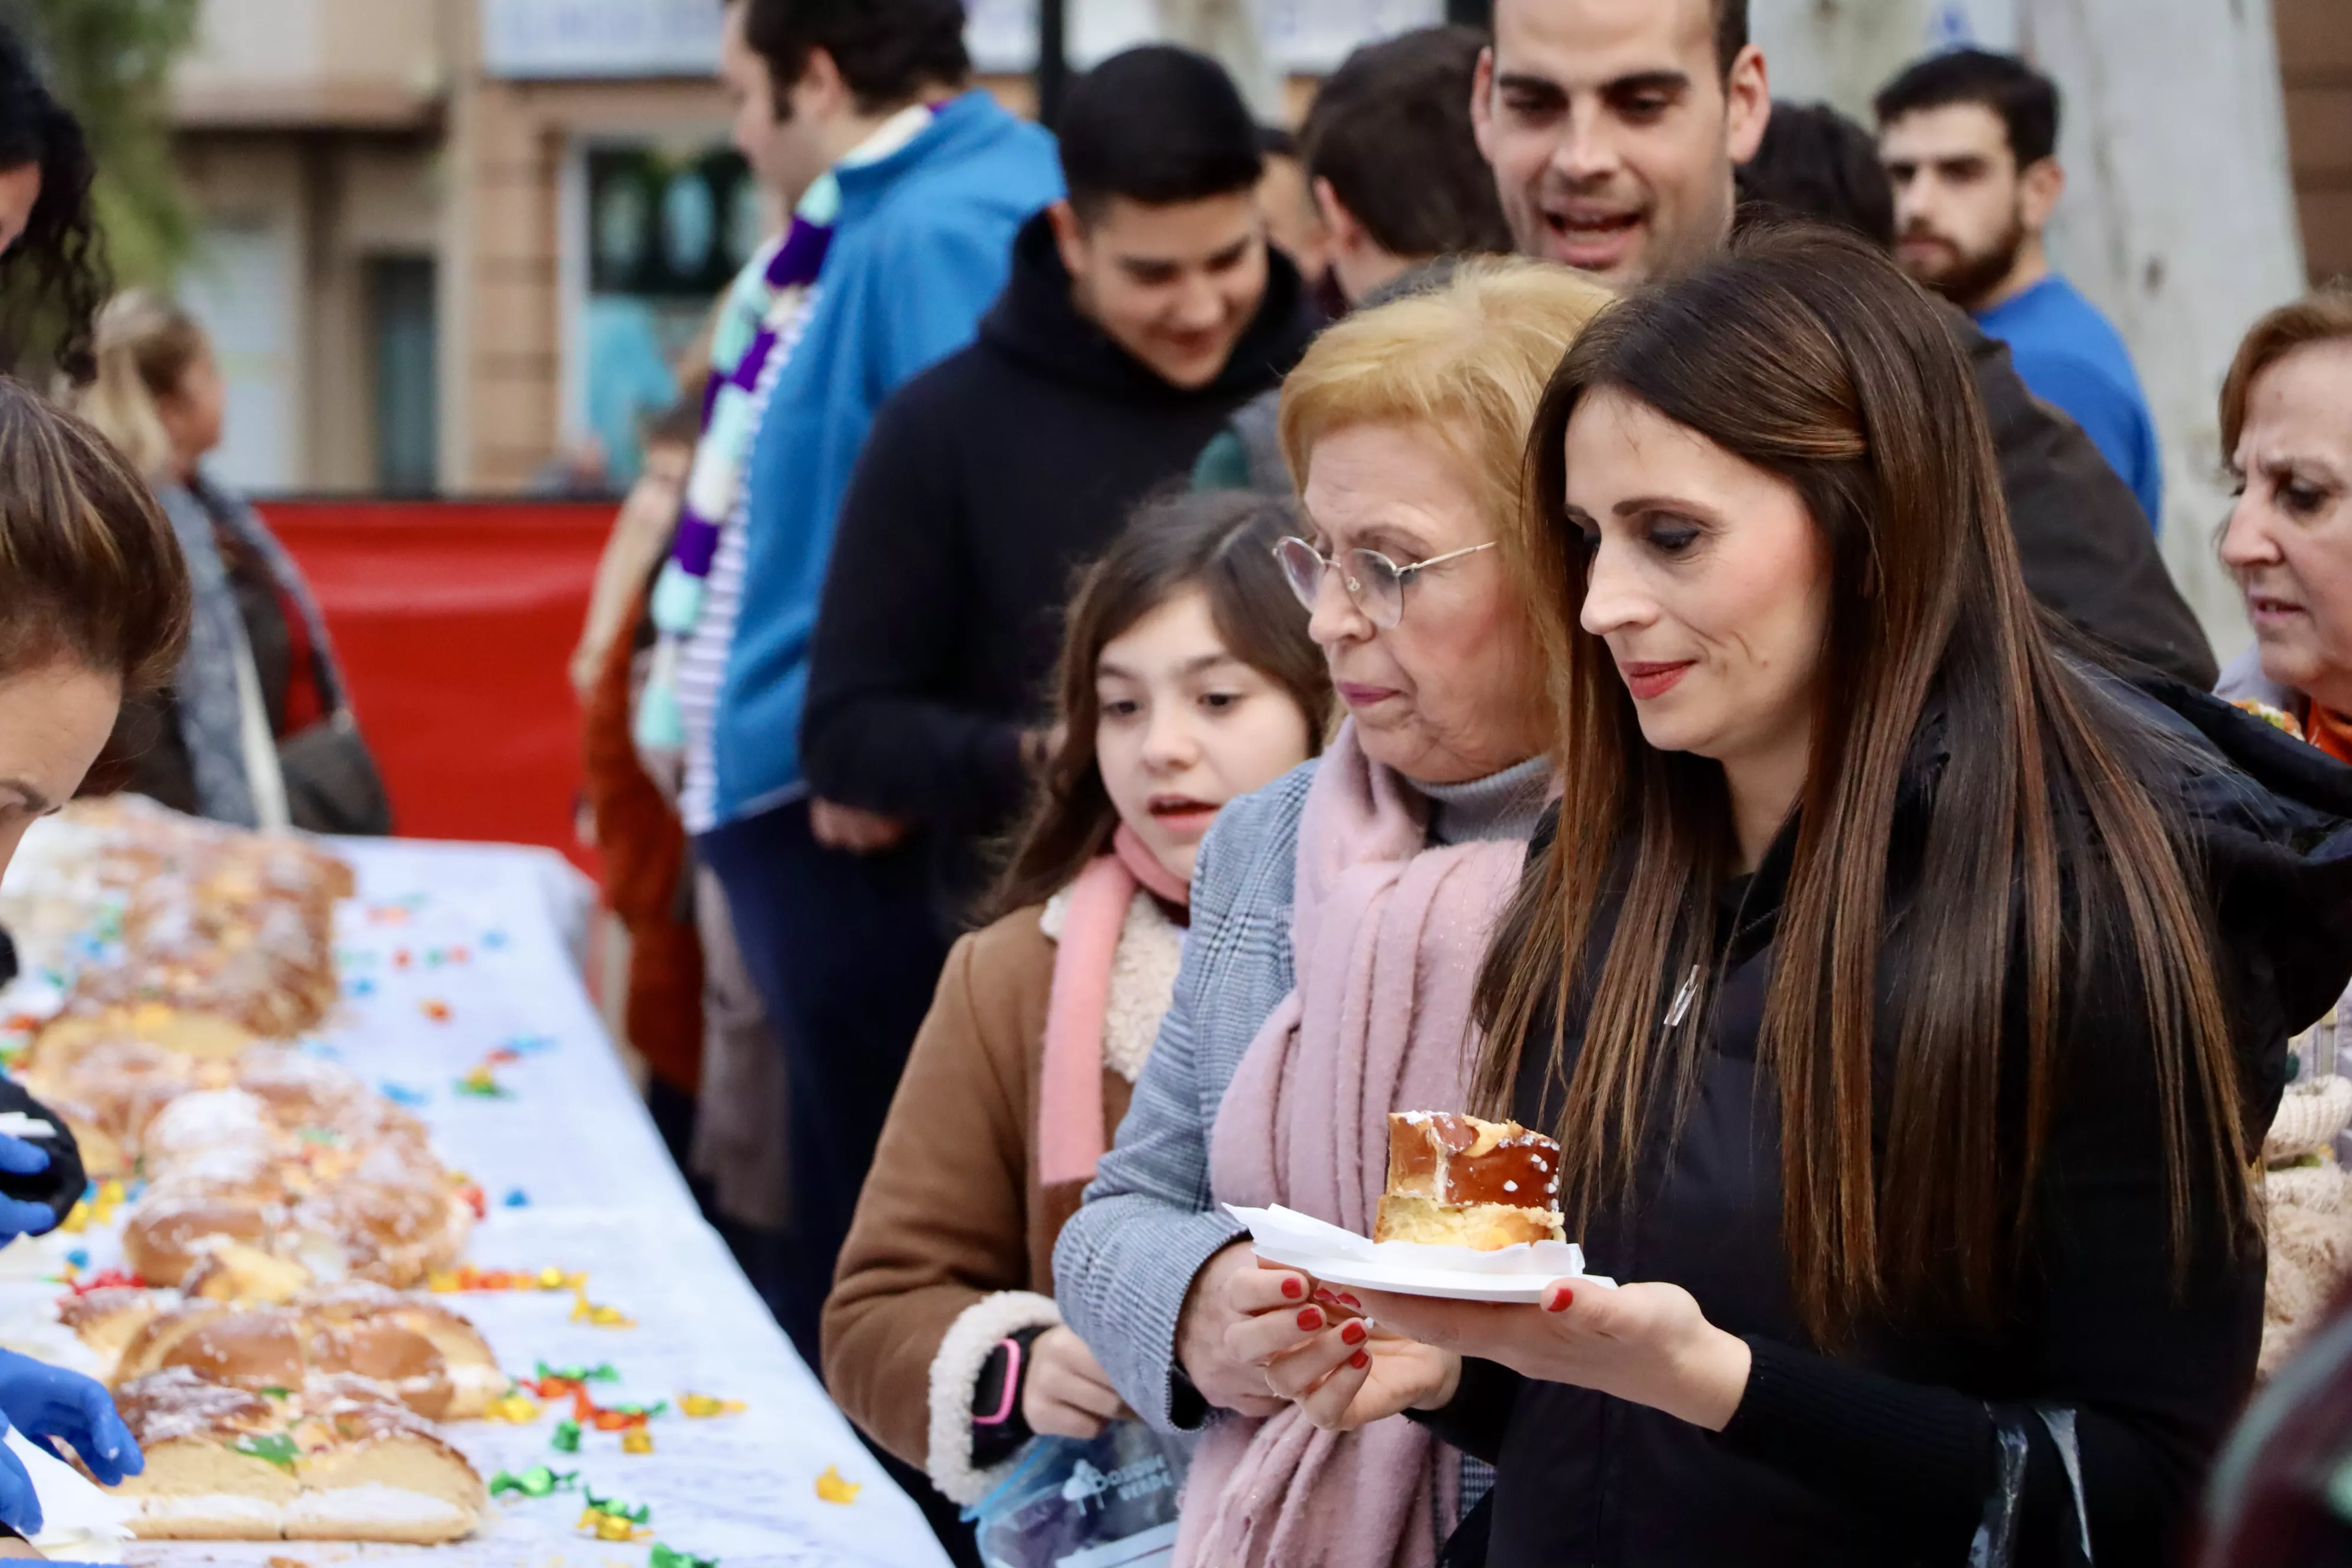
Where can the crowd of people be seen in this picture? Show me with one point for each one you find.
(1564, 590)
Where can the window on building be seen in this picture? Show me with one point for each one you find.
(403, 333)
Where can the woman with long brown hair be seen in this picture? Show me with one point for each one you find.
(1906, 995)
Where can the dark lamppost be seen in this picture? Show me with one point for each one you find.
(1053, 60)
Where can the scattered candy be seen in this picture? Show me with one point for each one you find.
(518, 1408)
(387, 914)
(494, 940)
(566, 1439)
(832, 1488)
(531, 1044)
(583, 1310)
(435, 1009)
(669, 1557)
(482, 1086)
(501, 1056)
(701, 1406)
(106, 1279)
(475, 1200)
(608, 1520)
(536, 1481)
(516, 1198)
(79, 1259)
(77, 1218)
(639, 1441)
(467, 1278)
(360, 985)
(603, 1371)
(401, 1094)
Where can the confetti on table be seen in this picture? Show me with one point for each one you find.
(400, 959)
(402, 1094)
(475, 1199)
(832, 1488)
(481, 1085)
(79, 1257)
(361, 987)
(702, 1406)
(387, 914)
(669, 1557)
(435, 1009)
(516, 1198)
(466, 1278)
(637, 1441)
(106, 1279)
(566, 1438)
(520, 1409)
(494, 940)
(536, 1481)
(531, 1044)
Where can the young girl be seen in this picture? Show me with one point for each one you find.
(1186, 680)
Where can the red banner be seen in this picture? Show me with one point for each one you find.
(455, 621)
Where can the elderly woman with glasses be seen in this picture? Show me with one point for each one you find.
(1338, 919)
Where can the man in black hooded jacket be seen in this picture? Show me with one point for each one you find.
(1141, 312)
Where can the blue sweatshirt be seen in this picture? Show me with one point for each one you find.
(921, 247)
(2068, 356)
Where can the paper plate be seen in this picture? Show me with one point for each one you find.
(1337, 1257)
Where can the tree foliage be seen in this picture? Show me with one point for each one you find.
(111, 61)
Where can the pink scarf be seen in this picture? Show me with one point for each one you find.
(1070, 1133)
(1386, 935)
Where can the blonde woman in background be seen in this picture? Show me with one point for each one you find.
(255, 728)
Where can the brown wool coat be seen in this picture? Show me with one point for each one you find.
(952, 1213)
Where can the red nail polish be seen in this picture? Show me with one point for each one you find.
(1352, 1333)
(1294, 1287)
(1562, 1299)
(1348, 1300)
(1310, 1319)
(1360, 1360)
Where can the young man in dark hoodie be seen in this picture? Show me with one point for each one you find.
(1141, 312)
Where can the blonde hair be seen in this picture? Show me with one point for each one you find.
(1468, 359)
(145, 345)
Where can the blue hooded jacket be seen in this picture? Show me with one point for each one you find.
(921, 247)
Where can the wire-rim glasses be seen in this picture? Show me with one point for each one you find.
(1374, 583)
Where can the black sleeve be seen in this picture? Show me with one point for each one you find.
(1475, 1419)
(2086, 546)
(2153, 1363)
(879, 734)
(60, 1187)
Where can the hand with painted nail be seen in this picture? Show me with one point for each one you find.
(1647, 1343)
(1316, 1349)
(1202, 1327)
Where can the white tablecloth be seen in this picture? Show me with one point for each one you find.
(454, 951)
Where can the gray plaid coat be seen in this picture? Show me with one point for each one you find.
(1127, 1258)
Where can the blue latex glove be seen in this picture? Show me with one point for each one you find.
(46, 1403)
(18, 1217)
(20, 1505)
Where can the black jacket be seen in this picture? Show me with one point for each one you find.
(1886, 1453)
(58, 1187)
(2082, 538)
(985, 481)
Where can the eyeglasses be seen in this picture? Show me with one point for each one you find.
(1375, 583)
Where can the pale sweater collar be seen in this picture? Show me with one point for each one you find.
(1507, 804)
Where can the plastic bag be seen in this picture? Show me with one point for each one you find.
(1107, 1503)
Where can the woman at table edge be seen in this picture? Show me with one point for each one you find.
(1847, 846)
(96, 606)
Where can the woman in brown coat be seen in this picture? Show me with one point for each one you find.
(1186, 680)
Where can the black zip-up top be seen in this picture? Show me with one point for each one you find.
(1888, 1451)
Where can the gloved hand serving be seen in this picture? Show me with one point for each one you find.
(46, 1402)
(21, 1216)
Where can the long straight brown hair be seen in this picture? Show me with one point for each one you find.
(1807, 354)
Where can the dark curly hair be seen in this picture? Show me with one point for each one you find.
(54, 277)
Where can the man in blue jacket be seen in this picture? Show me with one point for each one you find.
(934, 180)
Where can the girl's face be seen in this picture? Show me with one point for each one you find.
(1708, 581)
(1185, 727)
